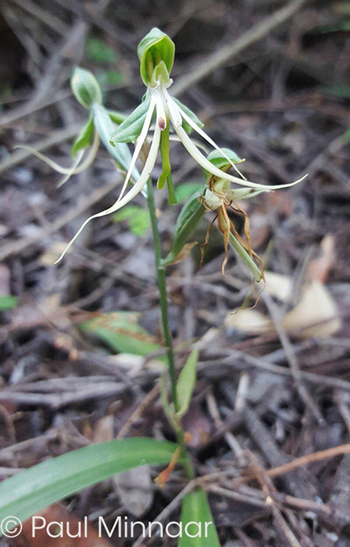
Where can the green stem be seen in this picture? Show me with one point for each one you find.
(161, 279)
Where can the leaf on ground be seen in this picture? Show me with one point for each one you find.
(30, 491)
(320, 267)
(64, 526)
(135, 490)
(315, 314)
(121, 333)
(196, 509)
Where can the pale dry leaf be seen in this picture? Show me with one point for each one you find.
(135, 490)
(278, 285)
(320, 267)
(315, 315)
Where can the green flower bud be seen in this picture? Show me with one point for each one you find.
(156, 48)
(86, 88)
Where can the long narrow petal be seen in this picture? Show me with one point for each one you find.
(139, 143)
(138, 186)
(205, 137)
(206, 164)
(67, 170)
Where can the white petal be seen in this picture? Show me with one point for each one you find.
(139, 143)
(67, 170)
(173, 109)
(206, 164)
(138, 186)
(206, 137)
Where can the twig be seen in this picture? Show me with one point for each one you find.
(224, 55)
(291, 358)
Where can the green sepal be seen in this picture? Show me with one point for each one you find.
(154, 48)
(216, 158)
(116, 117)
(130, 129)
(84, 139)
(186, 223)
(190, 114)
(86, 88)
(104, 127)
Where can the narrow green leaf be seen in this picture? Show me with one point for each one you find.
(129, 129)
(137, 217)
(186, 382)
(190, 114)
(8, 302)
(197, 521)
(25, 494)
(121, 333)
(186, 223)
(84, 138)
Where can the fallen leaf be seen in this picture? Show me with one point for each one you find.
(315, 315)
(320, 267)
(135, 490)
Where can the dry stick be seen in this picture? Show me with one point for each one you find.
(291, 358)
(18, 246)
(224, 55)
(268, 490)
(310, 458)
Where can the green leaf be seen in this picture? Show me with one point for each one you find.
(186, 223)
(196, 509)
(116, 117)
(86, 88)
(104, 127)
(84, 138)
(190, 114)
(8, 302)
(28, 492)
(187, 189)
(99, 52)
(154, 48)
(186, 382)
(137, 217)
(121, 333)
(216, 158)
(129, 130)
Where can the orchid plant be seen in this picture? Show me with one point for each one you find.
(158, 120)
